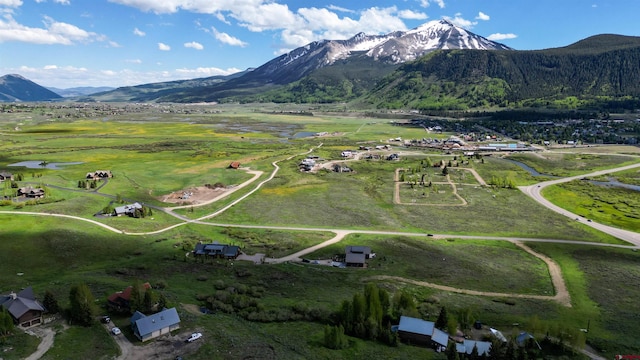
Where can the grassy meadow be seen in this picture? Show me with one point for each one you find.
(156, 153)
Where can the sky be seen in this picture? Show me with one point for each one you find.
(74, 43)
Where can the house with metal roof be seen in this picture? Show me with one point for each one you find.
(129, 209)
(466, 347)
(216, 250)
(147, 327)
(357, 255)
(415, 331)
(23, 307)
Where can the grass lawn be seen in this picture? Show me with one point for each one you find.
(77, 342)
(19, 345)
(614, 206)
(604, 285)
(152, 154)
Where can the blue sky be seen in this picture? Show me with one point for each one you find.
(69, 43)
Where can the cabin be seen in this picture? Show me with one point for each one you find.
(422, 332)
(147, 327)
(216, 251)
(23, 307)
(99, 174)
(356, 256)
(234, 165)
(31, 192)
(119, 301)
(6, 176)
(129, 210)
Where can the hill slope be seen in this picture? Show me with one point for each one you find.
(14, 87)
(600, 66)
(371, 51)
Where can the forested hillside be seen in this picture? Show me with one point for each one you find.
(598, 69)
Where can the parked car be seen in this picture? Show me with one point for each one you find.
(105, 319)
(194, 337)
(116, 331)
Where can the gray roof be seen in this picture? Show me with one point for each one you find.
(440, 337)
(358, 249)
(484, 347)
(416, 326)
(125, 209)
(231, 250)
(148, 324)
(20, 303)
(352, 258)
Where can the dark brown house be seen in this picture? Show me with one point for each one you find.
(356, 256)
(23, 307)
(31, 192)
(6, 176)
(99, 174)
(119, 301)
(216, 250)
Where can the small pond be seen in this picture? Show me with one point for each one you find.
(303, 134)
(37, 164)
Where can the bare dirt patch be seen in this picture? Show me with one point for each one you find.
(194, 195)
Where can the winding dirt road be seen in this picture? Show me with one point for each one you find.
(562, 295)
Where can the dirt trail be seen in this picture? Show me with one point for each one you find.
(47, 335)
(562, 294)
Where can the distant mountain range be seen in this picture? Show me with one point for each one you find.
(80, 91)
(382, 53)
(436, 66)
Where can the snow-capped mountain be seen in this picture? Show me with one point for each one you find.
(396, 47)
(439, 34)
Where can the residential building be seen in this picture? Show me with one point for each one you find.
(147, 327)
(23, 307)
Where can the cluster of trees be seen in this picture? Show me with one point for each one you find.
(87, 184)
(146, 300)
(505, 182)
(369, 315)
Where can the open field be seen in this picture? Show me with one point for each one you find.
(609, 205)
(155, 154)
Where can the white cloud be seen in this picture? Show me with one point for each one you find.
(63, 2)
(69, 76)
(139, 32)
(133, 61)
(426, 3)
(295, 27)
(339, 8)
(412, 15)
(228, 39)
(458, 20)
(204, 72)
(222, 18)
(11, 3)
(163, 47)
(483, 16)
(194, 45)
(500, 36)
(54, 32)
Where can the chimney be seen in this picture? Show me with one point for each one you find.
(13, 295)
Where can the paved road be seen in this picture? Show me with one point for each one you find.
(534, 191)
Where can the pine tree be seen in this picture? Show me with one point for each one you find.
(81, 303)
(6, 322)
(136, 301)
(443, 319)
(452, 352)
(50, 303)
(149, 300)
